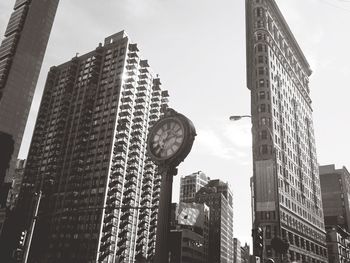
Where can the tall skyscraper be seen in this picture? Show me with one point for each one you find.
(287, 196)
(190, 184)
(218, 196)
(335, 185)
(21, 54)
(88, 156)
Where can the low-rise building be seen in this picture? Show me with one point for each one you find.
(189, 235)
(335, 189)
(245, 253)
(338, 244)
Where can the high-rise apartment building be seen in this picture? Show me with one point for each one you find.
(88, 156)
(21, 53)
(218, 196)
(287, 195)
(190, 184)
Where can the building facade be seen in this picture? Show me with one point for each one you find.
(218, 196)
(21, 53)
(16, 183)
(287, 195)
(338, 244)
(88, 156)
(186, 246)
(190, 184)
(189, 233)
(335, 185)
(245, 254)
(237, 258)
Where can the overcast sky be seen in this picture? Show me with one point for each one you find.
(198, 49)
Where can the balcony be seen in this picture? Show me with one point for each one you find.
(154, 207)
(133, 54)
(126, 217)
(131, 61)
(147, 187)
(111, 200)
(144, 218)
(131, 175)
(125, 112)
(128, 199)
(108, 227)
(122, 141)
(121, 249)
(133, 167)
(118, 164)
(104, 254)
(155, 104)
(130, 190)
(140, 106)
(145, 201)
(137, 132)
(123, 224)
(106, 236)
(131, 67)
(144, 70)
(145, 75)
(126, 100)
(157, 180)
(113, 191)
(144, 63)
(118, 173)
(133, 153)
(131, 183)
(105, 245)
(113, 183)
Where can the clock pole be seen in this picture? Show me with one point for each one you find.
(164, 210)
(169, 142)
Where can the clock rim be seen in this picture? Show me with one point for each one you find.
(159, 126)
(185, 147)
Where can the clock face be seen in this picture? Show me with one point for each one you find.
(167, 139)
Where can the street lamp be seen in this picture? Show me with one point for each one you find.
(274, 171)
(238, 117)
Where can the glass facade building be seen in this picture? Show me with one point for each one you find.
(88, 156)
(286, 183)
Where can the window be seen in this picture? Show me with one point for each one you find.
(261, 83)
(263, 149)
(261, 71)
(259, 12)
(261, 94)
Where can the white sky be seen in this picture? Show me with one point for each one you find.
(198, 49)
